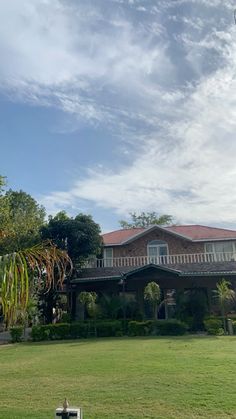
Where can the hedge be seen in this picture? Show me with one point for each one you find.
(157, 328)
(76, 330)
(214, 326)
(16, 333)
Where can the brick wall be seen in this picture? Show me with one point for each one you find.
(176, 245)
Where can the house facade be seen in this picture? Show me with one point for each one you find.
(178, 258)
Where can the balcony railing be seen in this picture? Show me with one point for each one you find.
(160, 260)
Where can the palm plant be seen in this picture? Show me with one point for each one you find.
(43, 263)
(152, 294)
(225, 295)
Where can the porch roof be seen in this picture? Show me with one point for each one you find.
(181, 270)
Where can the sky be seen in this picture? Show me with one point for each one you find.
(114, 106)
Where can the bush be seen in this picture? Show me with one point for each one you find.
(39, 333)
(59, 331)
(109, 328)
(168, 328)
(214, 326)
(79, 330)
(136, 328)
(16, 333)
(157, 328)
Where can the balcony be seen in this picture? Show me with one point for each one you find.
(160, 260)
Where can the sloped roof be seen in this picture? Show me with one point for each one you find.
(188, 269)
(199, 232)
(189, 232)
(121, 236)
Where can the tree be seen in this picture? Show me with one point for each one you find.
(43, 263)
(146, 219)
(152, 294)
(225, 296)
(79, 236)
(21, 217)
(22, 267)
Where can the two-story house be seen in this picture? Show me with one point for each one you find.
(176, 257)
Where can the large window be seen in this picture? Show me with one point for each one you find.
(221, 250)
(108, 256)
(157, 250)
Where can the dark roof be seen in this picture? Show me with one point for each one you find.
(189, 232)
(188, 269)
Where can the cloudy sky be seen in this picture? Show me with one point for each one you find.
(112, 106)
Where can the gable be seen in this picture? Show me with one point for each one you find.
(192, 233)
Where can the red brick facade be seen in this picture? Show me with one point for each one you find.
(176, 245)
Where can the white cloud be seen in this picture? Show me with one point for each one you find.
(193, 176)
(171, 94)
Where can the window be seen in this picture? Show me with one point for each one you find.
(221, 250)
(108, 256)
(157, 250)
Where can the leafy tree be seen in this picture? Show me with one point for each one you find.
(225, 296)
(146, 219)
(79, 236)
(21, 217)
(152, 294)
(22, 267)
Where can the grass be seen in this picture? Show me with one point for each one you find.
(185, 377)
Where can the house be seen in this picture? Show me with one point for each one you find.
(176, 257)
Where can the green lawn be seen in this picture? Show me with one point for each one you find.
(186, 377)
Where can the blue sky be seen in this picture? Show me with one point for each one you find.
(112, 106)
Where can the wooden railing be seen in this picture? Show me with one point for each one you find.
(160, 260)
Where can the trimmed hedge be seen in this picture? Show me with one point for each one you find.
(214, 326)
(16, 333)
(157, 328)
(76, 330)
(107, 328)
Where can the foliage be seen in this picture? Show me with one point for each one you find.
(79, 236)
(225, 296)
(152, 294)
(157, 328)
(76, 330)
(21, 218)
(146, 219)
(47, 263)
(16, 333)
(111, 305)
(192, 307)
(214, 326)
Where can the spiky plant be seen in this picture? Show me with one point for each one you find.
(43, 263)
(225, 295)
(152, 294)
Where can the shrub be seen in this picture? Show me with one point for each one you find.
(16, 333)
(139, 328)
(168, 328)
(39, 333)
(58, 331)
(214, 326)
(79, 330)
(157, 328)
(109, 328)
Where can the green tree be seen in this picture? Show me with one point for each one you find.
(79, 236)
(225, 296)
(152, 294)
(21, 267)
(22, 217)
(146, 219)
